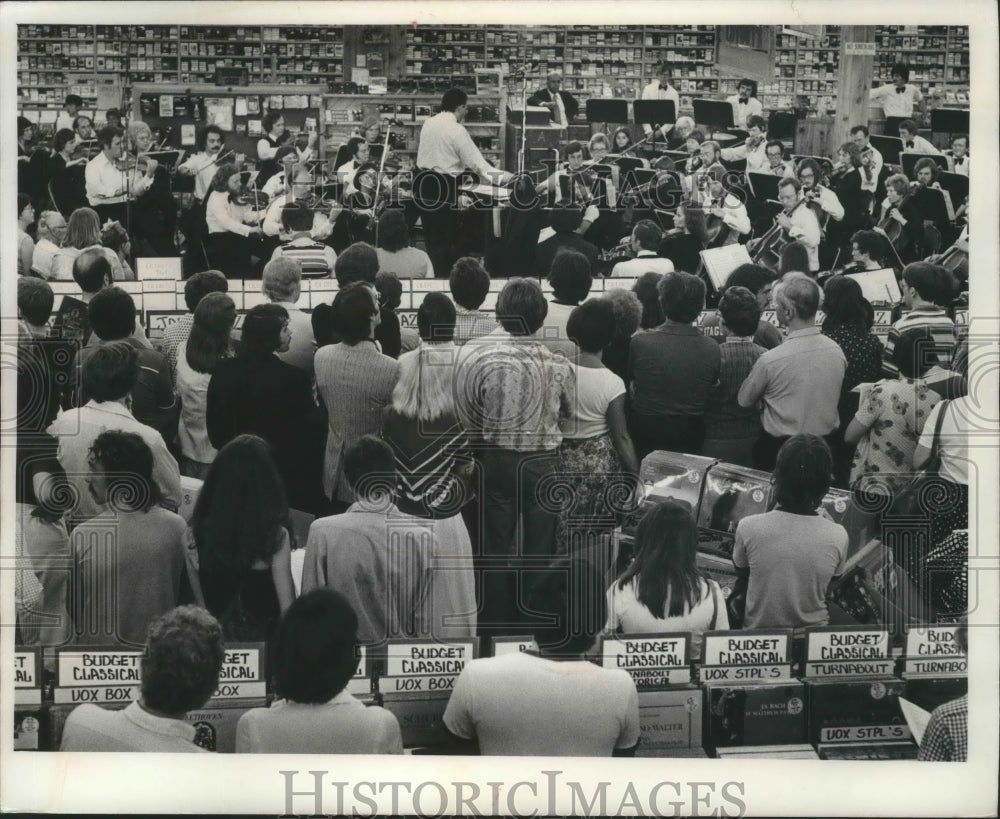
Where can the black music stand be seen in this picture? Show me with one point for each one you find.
(891, 127)
(949, 121)
(716, 113)
(931, 204)
(764, 185)
(654, 113)
(908, 161)
(957, 185)
(607, 110)
(890, 147)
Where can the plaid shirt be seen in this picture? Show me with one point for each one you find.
(175, 334)
(947, 736)
(470, 324)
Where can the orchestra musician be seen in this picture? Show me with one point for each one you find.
(717, 204)
(153, 222)
(796, 222)
(706, 165)
(913, 143)
(898, 98)
(572, 182)
(65, 173)
(745, 105)
(958, 155)
(661, 89)
(898, 207)
(299, 189)
(110, 183)
(203, 165)
(820, 197)
(70, 109)
(927, 173)
(562, 105)
(274, 137)
(359, 152)
(871, 159)
(866, 251)
(678, 136)
(27, 176)
(754, 149)
(84, 127)
(845, 182)
(233, 223)
(680, 245)
(774, 151)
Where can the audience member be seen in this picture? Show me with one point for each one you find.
(317, 260)
(566, 221)
(645, 244)
(797, 384)
(469, 283)
(927, 290)
(946, 737)
(731, 430)
(180, 671)
(663, 589)
(791, 556)
(127, 565)
(552, 701)
(195, 289)
(358, 263)
(571, 281)
(671, 369)
(83, 233)
(25, 244)
(628, 312)
(951, 512)
(390, 335)
(395, 254)
(315, 657)
(116, 239)
(197, 357)
(240, 541)
(759, 281)
(646, 290)
(51, 234)
(354, 381)
(281, 283)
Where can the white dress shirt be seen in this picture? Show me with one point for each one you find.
(918, 145)
(895, 103)
(959, 165)
(756, 158)
(105, 181)
(805, 228)
(222, 215)
(829, 203)
(654, 92)
(446, 147)
(203, 167)
(752, 108)
(644, 261)
(876, 167)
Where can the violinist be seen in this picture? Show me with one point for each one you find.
(774, 151)
(203, 165)
(573, 182)
(679, 244)
(754, 149)
(704, 167)
(84, 127)
(913, 143)
(928, 204)
(153, 222)
(866, 252)
(900, 220)
(725, 216)
(820, 197)
(300, 189)
(871, 159)
(359, 151)
(109, 182)
(279, 183)
(233, 223)
(66, 173)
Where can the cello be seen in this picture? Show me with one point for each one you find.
(767, 251)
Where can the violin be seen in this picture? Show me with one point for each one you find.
(248, 195)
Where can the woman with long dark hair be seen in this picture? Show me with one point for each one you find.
(240, 531)
(207, 345)
(848, 320)
(663, 589)
(230, 224)
(65, 175)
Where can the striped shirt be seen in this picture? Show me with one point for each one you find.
(317, 259)
(725, 419)
(934, 319)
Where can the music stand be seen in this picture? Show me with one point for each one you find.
(932, 205)
(949, 121)
(607, 110)
(908, 161)
(654, 113)
(957, 185)
(716, 113)
(763, 185)
(892, 125)
(890, 147)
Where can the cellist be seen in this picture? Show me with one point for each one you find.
(900, 219)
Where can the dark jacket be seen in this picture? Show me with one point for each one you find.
(546, 251)
(569, 101)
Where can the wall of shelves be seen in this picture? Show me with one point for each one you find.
(54, 60)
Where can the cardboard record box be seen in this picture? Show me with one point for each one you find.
(732, 493)
(670, 720)
(861, 751)
(669, 475)
(856, 710)
(215, 726)
(769, 752)
(754, 714)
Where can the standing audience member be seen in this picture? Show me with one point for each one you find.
(731, 430)
(797, 384)
(127, 564)
(390, 335)
(109, 374)
(377, 557)
(571, 281)
(553, 701)
(848, 319)
(646, 290)
(663, 590)
(239, 535)
(317, 259)
(180, 671)
(960, 420)
(358, 263)
(314, 658)
(927, 290)
(197, 357)
(195, 289)
(512, 394)
(257, 393)
(670, 371)
(791, 556)
(628, 311)
(469, 283)
(759, 281)
(281, 283)
(83, 234)
(395, 254)
(354, 381)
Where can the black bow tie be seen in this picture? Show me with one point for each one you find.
(900, 90)
(959, 160)
(909, 144)
(743, 101)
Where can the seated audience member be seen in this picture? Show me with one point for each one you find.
(553, 701)
(152, 400)
(195, 289)
(671, 369)
(391, 336)
(281, 283)
(257, 393)
(51, 234)
(759, 281)
(571, 281)
(109, 374)
(127, 565)
(83, 233)
(646, 290)
(395, 254)
(791, 556)
(358, 263)
(469, 283)
(848, 320)
(566, 221)
(596, 450)
(239, 534)
(314, 658)
(209, 343)
(927, 290)
(645, 243)
(354, 381)
(731, 430)
(628, 311)
(115, 238)
(317, 259)
(797, 384)
(891, 416)
(25, 243)
(794, 257)
(180, 671)
(946, 737)
(378, 558)
(663, 590)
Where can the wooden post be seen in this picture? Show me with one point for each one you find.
(854, 81)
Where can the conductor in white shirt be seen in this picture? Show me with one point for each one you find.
(661, 89)
(444, 152)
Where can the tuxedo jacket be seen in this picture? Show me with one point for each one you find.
(569, 101)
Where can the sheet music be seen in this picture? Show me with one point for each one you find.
(721, 261)
(916, 718)
(878, 286)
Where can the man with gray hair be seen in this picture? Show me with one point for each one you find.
(281, 283)
(562, 105)
(51, 232)
(797, 384)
